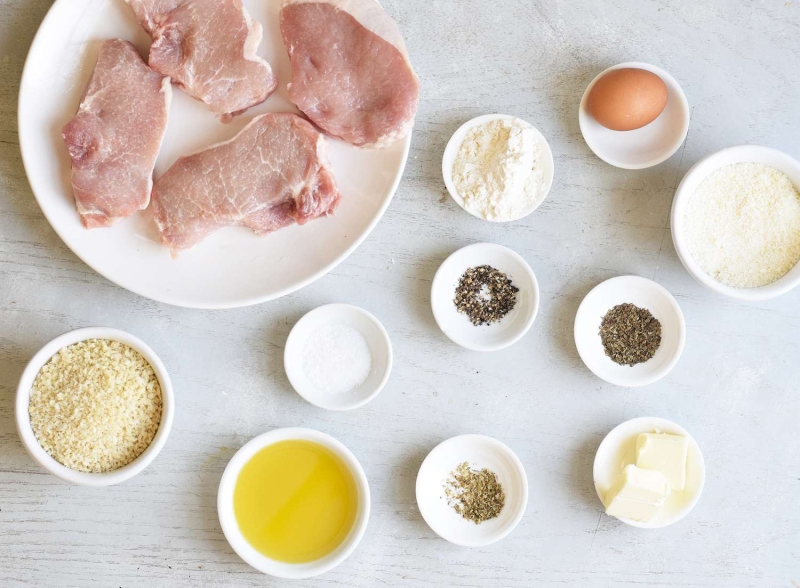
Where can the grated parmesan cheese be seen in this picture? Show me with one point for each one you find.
(743, 225)
(96, 405)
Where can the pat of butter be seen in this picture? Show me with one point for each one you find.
(637, 494)
(666, 454)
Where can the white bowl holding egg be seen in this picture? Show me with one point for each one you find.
(644, 147)
(692, 180)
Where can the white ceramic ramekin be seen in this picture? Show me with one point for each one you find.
(24, 421)
(693, 178)
(227, 516)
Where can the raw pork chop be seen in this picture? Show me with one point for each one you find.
(350, 71)
(115, 137)
(208, 47)
(273, 173)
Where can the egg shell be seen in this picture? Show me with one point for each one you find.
(627, 99)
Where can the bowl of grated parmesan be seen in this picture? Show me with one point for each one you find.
(94, 406)
(736, 222)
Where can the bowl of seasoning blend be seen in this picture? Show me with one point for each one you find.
(338, 357)
(485, 297)
(472, 490)
(293, 503)
(630, 331)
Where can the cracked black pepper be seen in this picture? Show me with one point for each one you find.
(485, 295)
(630, 334)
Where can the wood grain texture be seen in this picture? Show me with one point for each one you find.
(735, 388)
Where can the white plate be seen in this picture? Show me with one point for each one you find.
(480, 452)
(693, 178)
(374, 334)
(457, 326)
(643, 147)
(643, 293)
(231, 268)
(23, 417)
(227, 516)
(618, 449)
(454, 144)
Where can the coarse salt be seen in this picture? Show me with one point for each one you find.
(743, 225)
(336, 359)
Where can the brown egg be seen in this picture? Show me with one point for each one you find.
(627, 99)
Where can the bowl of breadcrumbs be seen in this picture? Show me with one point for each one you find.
(94, 406)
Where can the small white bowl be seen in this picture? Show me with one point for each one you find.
(619, 449)
(247, 552)
(480, 452)
(23, 418)
(643, 293)
(485, 337)
(339, 314)
(693, 178)
(454, 145)
(645, 147)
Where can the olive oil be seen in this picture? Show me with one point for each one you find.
(295, 501)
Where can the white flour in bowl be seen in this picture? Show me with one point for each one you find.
(743, 225)
(496, 170)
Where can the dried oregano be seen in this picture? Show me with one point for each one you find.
(474, 494)
(630, 334)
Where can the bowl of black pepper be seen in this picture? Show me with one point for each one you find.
(485, 297)
(630, 331)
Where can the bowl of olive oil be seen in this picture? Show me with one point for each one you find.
(293, 503)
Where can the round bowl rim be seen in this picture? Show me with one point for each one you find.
(337, 307)
(666, 76)
(666, 423)
(658, 374)
(22, 416)
(680, 201)
(230, 527)
(448, 157)
(529, 320)
(521, 474)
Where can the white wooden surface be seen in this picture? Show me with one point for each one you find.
(736, 387)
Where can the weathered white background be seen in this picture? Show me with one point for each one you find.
(736, 387)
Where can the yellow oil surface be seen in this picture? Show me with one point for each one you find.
(295, 501)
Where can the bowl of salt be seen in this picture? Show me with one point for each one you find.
(338, 357)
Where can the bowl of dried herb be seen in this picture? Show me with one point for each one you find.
(630, 331)
(472, 490)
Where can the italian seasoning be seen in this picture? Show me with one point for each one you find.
(630, 334)
(474, 494)
(485, 295)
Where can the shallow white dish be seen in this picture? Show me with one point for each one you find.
(242, 547)
(23, 419)
(450, 152)
(480, 452)
(643, 293)
(233, 267)
(693, 178)
(486, 337)
(619, 449)
(643, 147)
(339, 314)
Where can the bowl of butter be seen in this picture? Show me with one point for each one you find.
(649, 472)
